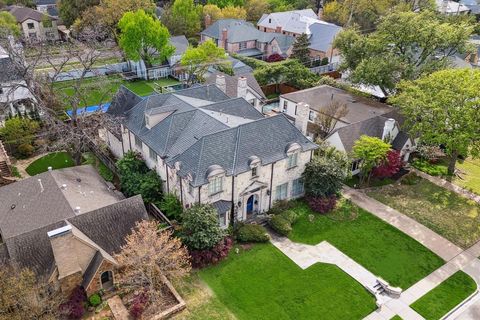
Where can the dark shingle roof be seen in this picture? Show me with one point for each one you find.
(230, 149)
(24, 13)
(92, 269)
(400, 140)
(372, 127)
(231, 83)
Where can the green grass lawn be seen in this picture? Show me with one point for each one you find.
(56, 160)
(452, 216)
(100, 90)
(382, 249)
(443, 298)
(470, 175)
(354, 182)
(262, 283)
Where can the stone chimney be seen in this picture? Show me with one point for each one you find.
(388, 130)
(242, 87)
(301, 118)
(224, 38)
(208, 21)
(220, 82)
(278, 29)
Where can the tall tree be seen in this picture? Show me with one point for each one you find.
(71, 10)
(444, 109)
(405, 46)
(196, 61)
(143, 37)
(231, 12)
(372, 152)
(256, 8)
(300, 50)
(183, 18)
(226, 3)
(327, 119)
(8, 25)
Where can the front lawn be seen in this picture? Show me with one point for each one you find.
(101, 90)
(382, 249)
(445, 212)
(262, 283)
(443, 298)
(56, 160)
(469, 174)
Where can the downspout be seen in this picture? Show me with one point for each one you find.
(181, 190)
(232, 211)
(129, 140)
(168, 183)
(271, 188)
(199, 189)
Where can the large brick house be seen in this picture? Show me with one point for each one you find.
(66, 225)
(210, 148)
(241, 37)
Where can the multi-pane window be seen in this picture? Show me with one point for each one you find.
(222, 219)
(281, 192)
(254, 172)
(152, 154)
(243, 45)
(215, 185)
(285, 106)
(30, 25)
(138, 142)
(292, 160)
(297, 187)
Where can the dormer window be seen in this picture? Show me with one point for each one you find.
(254, 172)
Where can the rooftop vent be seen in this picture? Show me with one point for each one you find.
(41, 185)
(50, 168)
(64, 186)
(59, 231)
(77, 210)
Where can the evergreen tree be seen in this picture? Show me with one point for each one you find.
(300, 49)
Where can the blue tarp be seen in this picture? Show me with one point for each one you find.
(103, 107)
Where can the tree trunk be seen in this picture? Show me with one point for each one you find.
(77, 157)
(452, 162)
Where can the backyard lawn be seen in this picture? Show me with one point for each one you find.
(379, 247)
(56, 160)
(262, 283)
(438, 302)
(450, 215)
(101, 91)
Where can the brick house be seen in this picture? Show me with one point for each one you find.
(66, 225)
(241, 37)
(210, 148)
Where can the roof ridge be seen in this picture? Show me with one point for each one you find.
(235, 152)
(200, 154)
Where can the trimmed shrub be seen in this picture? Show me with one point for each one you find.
(274, 58)
(280, 206)
(25, 150)
(203, 258)
(94, 300)
(289, 215)
(200, 228)
(322, 204)
(280, 225)
(252, 233)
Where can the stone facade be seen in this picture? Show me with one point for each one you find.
(96, 284)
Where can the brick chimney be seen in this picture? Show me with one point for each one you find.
(388, 130)
(224, 38)
(301, 118)
(220, 82)
(207, 21)
(242, 87)
(278, 29)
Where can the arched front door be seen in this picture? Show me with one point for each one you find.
(250, 204)
(106, 279)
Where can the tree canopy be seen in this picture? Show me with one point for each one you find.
(8, 25)
(183, 18)
(143, 37)
(300, 50)
(256, 8)
(196, 61)
(372, 152)
(405, 46)
(443, 108)
(69, 10)
(289, 71)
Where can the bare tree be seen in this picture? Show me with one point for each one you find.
(327, 118)
(148, 257)
(77, 65)
(24, 297)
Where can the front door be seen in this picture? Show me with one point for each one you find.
(106, 279)
(250, 204)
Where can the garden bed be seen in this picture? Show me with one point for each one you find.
(382, 249)
(262, 283)
(445, 212)
(443, 298)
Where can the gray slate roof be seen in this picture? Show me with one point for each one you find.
(123, 101)
(322, 36)
(231, 83)
(222, 206)
(239, 67)
(236, 107)
(24, 13)
(180, 43)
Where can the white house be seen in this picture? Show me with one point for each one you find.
(35, 25)
(365, 117)
(210, 148)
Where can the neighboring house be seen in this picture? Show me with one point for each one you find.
(472, 5)
(164, 70)
(35, 25)
(451, 7)
(210, 148)
(66, 225)
(292, 23)
(365, 117)
(48, 7)
(243, 86)
(241, 37)
(239, 67)
(15, 98)
(297, 22)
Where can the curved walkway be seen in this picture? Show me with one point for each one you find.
(457, 259)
